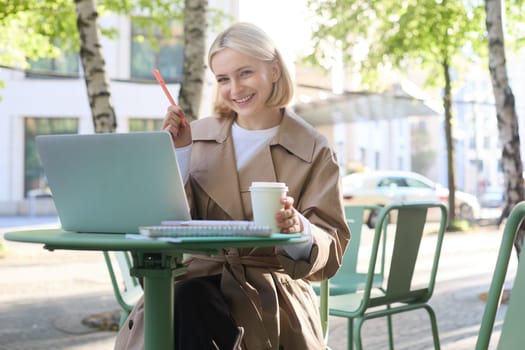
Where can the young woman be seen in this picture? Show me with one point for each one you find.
(258, 298)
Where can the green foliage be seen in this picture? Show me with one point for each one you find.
(2, 86)
(35, 29)
(152, 15)
(458, 226)
(515, 32)
(378, 34)
(47, 28)
(217, 18)
(30, 29)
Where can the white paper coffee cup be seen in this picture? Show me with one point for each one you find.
(266, 202)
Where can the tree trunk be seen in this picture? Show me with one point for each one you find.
(506, 114)
(447, 105)
(94, 67)
(195, 26)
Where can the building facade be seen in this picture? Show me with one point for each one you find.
(379, 132)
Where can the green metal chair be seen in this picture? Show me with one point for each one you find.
(398, 293)
(512, 332)
(349, 278)
(126, 288)
(322, 291)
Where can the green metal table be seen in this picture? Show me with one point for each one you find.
(157, 261)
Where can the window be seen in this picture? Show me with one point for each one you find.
(34, 177)
(416, 183)
(392, 182)
(163, 52)
(487, 142)
(145, 124)
(65, 65)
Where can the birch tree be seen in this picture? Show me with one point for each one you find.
(506, 114)
(94, 66)
(195, 27)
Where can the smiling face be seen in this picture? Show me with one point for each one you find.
(245, 85)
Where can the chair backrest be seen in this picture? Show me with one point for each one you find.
(348, 279)
(126, 287)
(512, 333)
(404, 250)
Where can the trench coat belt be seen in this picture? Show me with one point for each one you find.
(244, 299)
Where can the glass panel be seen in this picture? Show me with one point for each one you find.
(142, 60)
(416, 183)
(145, 124)
(163, 52)
(67, 64)
(34, 177)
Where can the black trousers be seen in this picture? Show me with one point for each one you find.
(202, 316)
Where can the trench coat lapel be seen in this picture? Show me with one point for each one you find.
(216, 156)
(295, 137)
(290, 136)
(260, 168)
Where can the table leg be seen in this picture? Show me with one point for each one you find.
(158, 271)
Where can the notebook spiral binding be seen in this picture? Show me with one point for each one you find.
(196, 228)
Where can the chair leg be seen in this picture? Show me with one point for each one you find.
(390, 330)
(433, 323)
(357, 333)
(123, 317)
(350, 330)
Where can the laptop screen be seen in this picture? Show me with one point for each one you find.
(113, 182)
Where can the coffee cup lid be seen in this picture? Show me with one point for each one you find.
(268, 185)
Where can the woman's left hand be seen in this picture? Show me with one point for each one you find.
(288, 218)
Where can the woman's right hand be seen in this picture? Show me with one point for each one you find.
(178, 126)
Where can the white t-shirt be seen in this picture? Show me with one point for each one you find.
(247, 143)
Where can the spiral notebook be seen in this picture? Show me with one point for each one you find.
(204, 228)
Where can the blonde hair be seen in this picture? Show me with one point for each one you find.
(250, 40)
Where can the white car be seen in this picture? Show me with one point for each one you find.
(385, 187)
(492, 202)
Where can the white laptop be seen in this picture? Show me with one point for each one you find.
(114, 182)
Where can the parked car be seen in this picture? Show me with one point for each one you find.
(385, 187)
(491, 201)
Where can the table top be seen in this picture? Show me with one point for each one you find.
(60, 239)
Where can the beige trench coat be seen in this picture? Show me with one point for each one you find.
(269, 292)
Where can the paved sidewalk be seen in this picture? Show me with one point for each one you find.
(45, 295)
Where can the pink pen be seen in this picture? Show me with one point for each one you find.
(162, 83)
